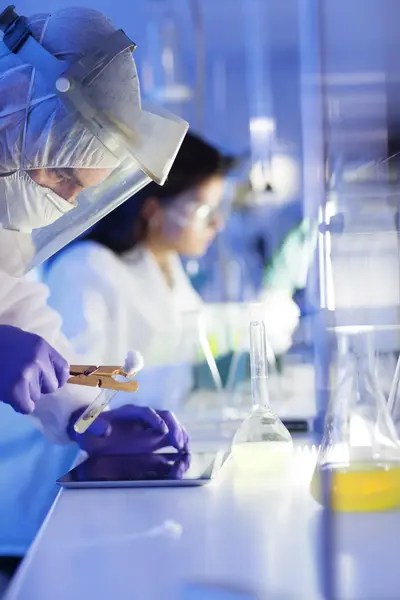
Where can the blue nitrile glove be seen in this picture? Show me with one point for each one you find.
(30, 367)
(130, 429)
(134, 467)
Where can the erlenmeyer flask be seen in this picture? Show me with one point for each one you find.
(262, 442)
(394, 398)
(358, 465)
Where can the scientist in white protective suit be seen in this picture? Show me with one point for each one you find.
(126, 285)
(74, 144)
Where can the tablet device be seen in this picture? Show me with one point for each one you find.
(145, 470)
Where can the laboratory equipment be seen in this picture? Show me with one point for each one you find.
(165, 79)
(394, 400)
(110, 380)
(146, 470)
(358, 465)
(262, 442)
(208, 354)
(202, 407)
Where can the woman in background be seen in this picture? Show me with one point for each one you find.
(123, 285)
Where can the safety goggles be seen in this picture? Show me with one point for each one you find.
(187, 210)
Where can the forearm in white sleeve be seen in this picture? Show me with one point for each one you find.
(23, 304)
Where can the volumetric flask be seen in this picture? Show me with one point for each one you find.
(261, 442)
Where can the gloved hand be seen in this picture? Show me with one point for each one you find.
(289, 267)
(135, 467)
(281, 319)
(130, 429)
(30, 367)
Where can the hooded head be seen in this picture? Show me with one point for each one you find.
(37, 129)
(49, 150)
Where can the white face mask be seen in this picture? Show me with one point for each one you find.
(26, 205)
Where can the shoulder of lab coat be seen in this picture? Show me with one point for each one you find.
(108, 305)
(188, 299)
(111, 304)
(23, 305)
(143, 266)
(157, 310)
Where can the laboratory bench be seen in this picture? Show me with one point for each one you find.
(243, 536)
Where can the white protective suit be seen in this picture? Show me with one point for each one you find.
(30, 463)
(39, 130)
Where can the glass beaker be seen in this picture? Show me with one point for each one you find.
(262, 442)
(358, 465)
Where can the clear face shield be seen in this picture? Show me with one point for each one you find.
(101, 149)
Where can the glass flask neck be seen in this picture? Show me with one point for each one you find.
(258, 365)
(359, 345)
(259, 393)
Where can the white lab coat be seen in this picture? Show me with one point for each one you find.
(111, 304)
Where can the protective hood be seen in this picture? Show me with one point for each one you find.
(43, 128)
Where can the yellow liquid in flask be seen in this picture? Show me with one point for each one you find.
(359, 487)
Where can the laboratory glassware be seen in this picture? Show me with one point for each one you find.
(394, 398)
(109, 380)
(358, 465)
(261, 442)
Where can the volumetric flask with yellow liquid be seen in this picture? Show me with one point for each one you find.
(358, 465)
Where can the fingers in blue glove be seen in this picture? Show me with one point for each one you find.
(20, 397)
(101, 428)
(180, 466)
(177, 436)
(61, 368)
(130, 429)
(54, 369)
(146, 415)
(31, 367)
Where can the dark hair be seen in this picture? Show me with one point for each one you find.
(196, 162)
